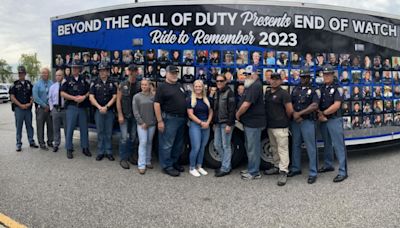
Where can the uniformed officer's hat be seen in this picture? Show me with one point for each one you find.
(328, 69)
(21, 69)
(305, 72)
(150, 51)
(103, 66)
(132, 67)
(76, 64)
(172, 69)
(250, 69)
(275, 75)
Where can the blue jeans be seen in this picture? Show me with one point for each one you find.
(305, 130)
(253, 149)
(21, 116)
(333, 136)
(76, 115)
(104, 127)
(171, 141)
(128, 136)
(198, 141)
(222, 143)
(145, 145)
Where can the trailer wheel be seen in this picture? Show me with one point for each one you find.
(266, 153)
(213, 159)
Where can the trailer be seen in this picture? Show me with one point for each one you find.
(207, 38)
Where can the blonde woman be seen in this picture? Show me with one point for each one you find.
(200, 115)
(143, 110)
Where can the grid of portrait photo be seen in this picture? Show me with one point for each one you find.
(370, 82)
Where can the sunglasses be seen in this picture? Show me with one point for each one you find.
(220, 81)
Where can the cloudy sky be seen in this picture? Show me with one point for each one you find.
(25, 25)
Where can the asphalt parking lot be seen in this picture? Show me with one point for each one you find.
(45, 189)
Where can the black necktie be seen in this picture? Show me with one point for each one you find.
(59, 96)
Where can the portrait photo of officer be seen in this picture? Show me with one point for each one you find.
(201, 57)
(396, 91)
(346, 92)
(188, 74)
(367, 79)
(163, 56)
(68, 59)
(356, 76)
(367, 107)
(396, 119)
(332, 59)
(356, 61)
(151, 56)
(308, 60)
(396, 105)
(378, 93)
(138, 57)
(320, 59)
(188, 57)
(295, 76)
(215, 57)
(116, 58)
(387, 77)
(95, 58)
(344, 77)
(255, 58)
(377, 64)
(127, 57)
(356, 93)
(367, 62)
(161, 72)
(267, 72)
(388, 106)
(386, 64)
(377, 77)
(344, 60)
(295, 60)
(242, 57)
(59, 61)
(356, 109)
(228, 57)
(86, 58)
(387, 91)
(388, 119)
(396, 62)
(201, 73)
(367, 122)
(175, 57)
(284, 75)
(367, 92)
(396, 77)
(282, 58)
(346, 110)
(105, 57)
(378, 120)
(378, 106)
(356, 122)
(269, 58)
(214, 72)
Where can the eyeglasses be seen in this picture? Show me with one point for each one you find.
(220, 81)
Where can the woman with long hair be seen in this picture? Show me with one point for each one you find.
(200, 115)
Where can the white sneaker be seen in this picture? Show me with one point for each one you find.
(202, 171)
(194, 172)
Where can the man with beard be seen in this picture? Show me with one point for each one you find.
(279, 110)
(170, 110)
(305, 100)
(251, 114)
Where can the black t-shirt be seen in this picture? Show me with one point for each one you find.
(171, 98)
(254, 117)
(275, 108)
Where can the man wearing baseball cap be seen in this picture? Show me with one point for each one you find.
(252, 115)
(170, 110)
(279, 110)
(305, 99)
(22, 100)
(331, 126)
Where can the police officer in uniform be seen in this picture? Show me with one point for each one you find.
(127, 122)
(21, 97)
(305, 100)
(103, 93)
(332, 125)
(75, 91)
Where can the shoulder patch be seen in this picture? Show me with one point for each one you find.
(318, 92)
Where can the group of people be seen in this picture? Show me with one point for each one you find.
(142, 109)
